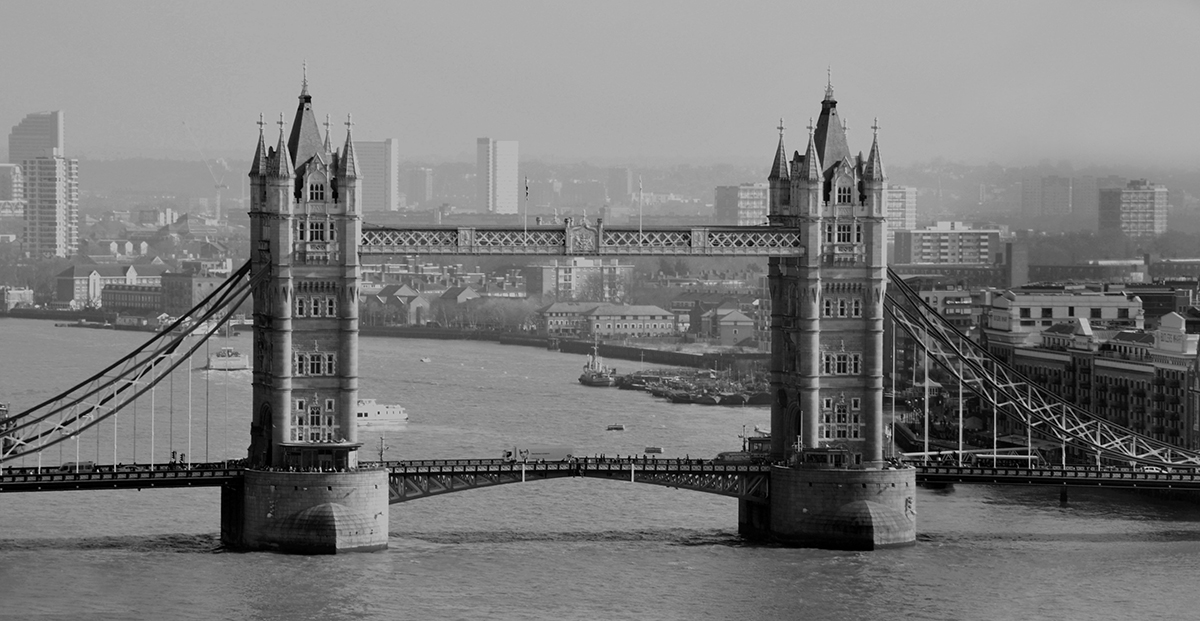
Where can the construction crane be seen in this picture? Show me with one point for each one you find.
(217, 183)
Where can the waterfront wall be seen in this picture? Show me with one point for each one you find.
(666, 357)
(61, 315)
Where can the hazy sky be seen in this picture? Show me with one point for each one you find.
(1015, 82)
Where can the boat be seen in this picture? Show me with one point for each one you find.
(369, 413)
(425, 359)
(228, 359)
(616, 428)
(653, 449)
(594, 371)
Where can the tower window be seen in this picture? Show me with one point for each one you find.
(843, 195)
(843, 233)
(316, 191)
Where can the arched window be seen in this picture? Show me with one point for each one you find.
(316, 191)
(843, 195)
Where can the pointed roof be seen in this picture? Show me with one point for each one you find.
(327, 147)
(779, 169)
(349, 163)
(811, 166)
(830, 136)
(305, 140)
(280, 164)
(873, 169)
(260, 153)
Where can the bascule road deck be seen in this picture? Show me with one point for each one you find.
(410, 480)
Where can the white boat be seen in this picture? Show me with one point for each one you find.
(616, 428)
(370, 413)
(228, 359)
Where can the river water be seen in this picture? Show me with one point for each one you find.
(562, 549)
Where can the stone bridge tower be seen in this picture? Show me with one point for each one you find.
(827, 352)
(827, 333)
(303, 490)
(305, 227)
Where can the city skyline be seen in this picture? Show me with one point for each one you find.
(1014, 82)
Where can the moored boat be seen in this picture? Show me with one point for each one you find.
(228, 359)
(369, 413)
(594, 371)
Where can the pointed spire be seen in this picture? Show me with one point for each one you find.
(812, 162)
(779, 169)
(304, 84)
(328, 138)
(281, 166)
(829, 83)
(260, 154)
(873, 170)
(349, 161)
(305, 139)
(830, 134)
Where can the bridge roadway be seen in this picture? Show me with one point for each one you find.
(409, 480)
(413, 479)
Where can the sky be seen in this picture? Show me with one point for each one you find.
(1013, 82)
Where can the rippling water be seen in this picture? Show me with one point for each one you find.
(560, 549)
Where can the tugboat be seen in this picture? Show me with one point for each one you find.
(594, 371)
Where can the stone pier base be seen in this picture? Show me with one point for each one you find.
(835, 509)
(307, 512)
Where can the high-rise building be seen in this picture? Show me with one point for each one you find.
(496, 176)
(741, 205)
(950, 242)
(580, 278)
(51, 205)
(420, 185)
(12, 183)
(1056, 196)
(37, 135)
(901, 203)
(620, 185)
(379, 161)
(1139, 209)
(1031, 196)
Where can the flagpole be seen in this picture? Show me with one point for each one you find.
(641, 201)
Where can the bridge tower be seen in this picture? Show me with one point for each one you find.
(827, 352)
(303, 489)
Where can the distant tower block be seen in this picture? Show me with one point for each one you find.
(827, 352)
(303, 490)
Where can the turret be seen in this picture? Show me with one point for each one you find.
(873, 177)
(779, 180)
(808, 180)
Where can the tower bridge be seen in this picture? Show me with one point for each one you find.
(302, 487)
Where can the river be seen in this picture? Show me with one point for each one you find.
(561, 549)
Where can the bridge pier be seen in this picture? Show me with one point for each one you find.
(835, 509)
(307, 512)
